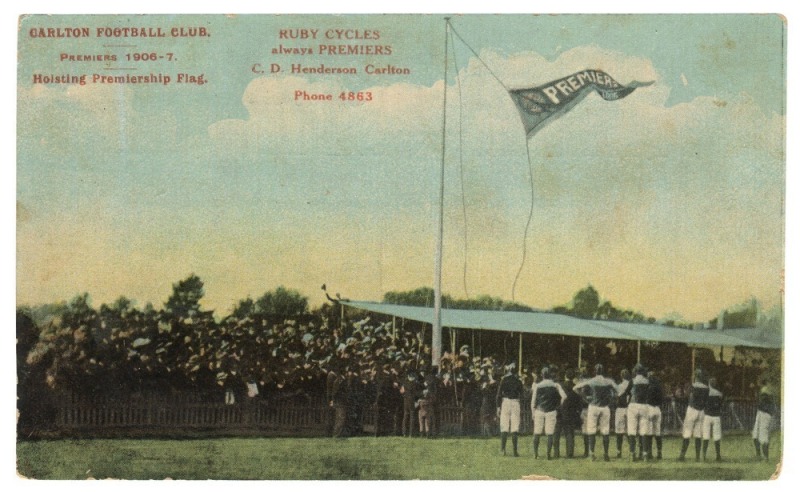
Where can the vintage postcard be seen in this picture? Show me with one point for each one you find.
(400, 247)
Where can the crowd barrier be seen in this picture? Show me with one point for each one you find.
(255, 416)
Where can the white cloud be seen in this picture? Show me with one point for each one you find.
(662, 208)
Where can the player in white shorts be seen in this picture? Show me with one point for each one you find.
(508, 394)
(603, 391)
(638, 412)
(655, 398)
(547, 396)
(766, 409)
(693, 422)
(621, 412)
(712, 421)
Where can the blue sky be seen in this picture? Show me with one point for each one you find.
(670, 201)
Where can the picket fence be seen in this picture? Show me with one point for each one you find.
(76, 416)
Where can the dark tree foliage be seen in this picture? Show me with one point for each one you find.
(33, 405)
(743, 317)
(282, 302)
(185, 299)
(423, 296)
(245, 308)
(586, 302)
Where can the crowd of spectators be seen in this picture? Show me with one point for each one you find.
(350, 365)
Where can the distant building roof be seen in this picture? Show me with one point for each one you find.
(560, 324)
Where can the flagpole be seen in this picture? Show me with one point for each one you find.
(436, 335)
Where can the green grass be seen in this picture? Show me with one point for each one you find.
(364, 458)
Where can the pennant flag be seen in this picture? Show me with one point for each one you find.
(538, 105)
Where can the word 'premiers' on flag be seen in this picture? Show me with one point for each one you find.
(541, 104)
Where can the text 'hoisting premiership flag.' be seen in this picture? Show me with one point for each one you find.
(541, 104)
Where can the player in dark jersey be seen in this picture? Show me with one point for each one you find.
(712, 421)
(603, 392)
(693, 423)
(655, 398)
(570, 413)
(765, 410)
(585, 394)
(621, 412)
(638, 411)
(509, 393)
(547, 396)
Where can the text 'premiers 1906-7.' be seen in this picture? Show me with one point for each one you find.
(337, 52)
(129, 55)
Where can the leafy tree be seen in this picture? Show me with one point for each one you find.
(68, 344)
(586, 302)
(423, 296)
(113, 334)
(246, 308)
(608, 311)
(185, 299)
(27, 336)
(190, 334)
(488, 303)
(743, 316)
(32, 397)
(282, 302)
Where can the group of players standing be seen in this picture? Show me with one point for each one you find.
(558, 408)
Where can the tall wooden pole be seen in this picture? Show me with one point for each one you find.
(436, 335)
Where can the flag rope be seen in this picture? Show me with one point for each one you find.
(530, 168)
(479, 58)
(527, 224)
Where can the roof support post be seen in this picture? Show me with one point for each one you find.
(472, 347)
(519, 363)
(580, 349)
(638, 351)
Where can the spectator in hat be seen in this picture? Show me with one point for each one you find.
(337, 399)
(488, 391)
(424, 412)
(409, 390)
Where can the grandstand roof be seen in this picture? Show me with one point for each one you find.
(560, 324)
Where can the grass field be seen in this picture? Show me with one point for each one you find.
(365, 458)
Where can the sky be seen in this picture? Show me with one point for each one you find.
(669, 202)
